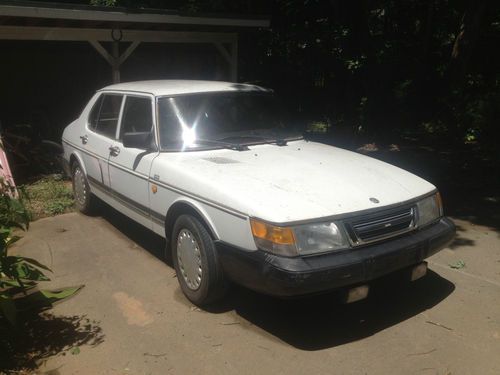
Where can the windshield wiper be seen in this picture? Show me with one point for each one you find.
(228, 145)
(266, 140)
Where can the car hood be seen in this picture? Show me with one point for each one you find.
(301, 181)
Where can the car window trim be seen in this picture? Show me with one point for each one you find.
(151, 102)
(137, 94)
(99, 99)
(95, 131)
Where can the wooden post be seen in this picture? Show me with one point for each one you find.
(116, 61)
(231, 57)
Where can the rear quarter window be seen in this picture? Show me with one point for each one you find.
(94, 114)
(103, 118)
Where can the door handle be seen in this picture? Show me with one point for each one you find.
(84, 139)
(114, 151)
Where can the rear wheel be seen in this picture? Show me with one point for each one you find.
(195, 260)
(84, 200)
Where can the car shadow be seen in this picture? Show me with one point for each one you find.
(145, 238)
(317, 322)
(322, 321)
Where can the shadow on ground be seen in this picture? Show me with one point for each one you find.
(322, 322)
(318, 322)
(40, 336)
(142, 236)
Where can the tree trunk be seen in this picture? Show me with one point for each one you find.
(473, 22)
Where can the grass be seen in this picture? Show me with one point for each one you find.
(49, 196)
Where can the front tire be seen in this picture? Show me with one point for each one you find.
(195, 260)
(84, 200)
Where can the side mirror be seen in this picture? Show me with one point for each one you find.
(141, 140)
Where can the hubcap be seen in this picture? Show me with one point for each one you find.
(80, 188)
(189, 259)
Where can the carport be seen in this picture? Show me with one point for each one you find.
(55, 55)
(116, 32)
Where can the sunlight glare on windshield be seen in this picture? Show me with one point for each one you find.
(188, 134)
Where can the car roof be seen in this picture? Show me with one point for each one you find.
(176, 87)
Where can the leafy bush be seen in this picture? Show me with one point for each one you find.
(19, 276)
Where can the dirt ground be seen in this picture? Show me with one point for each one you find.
(131, 317)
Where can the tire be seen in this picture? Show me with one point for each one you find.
(84, 199)
(199, 272)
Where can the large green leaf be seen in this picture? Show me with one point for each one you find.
(61, 293)
(11, 240)
(13, 287)
(16, 268)
(36, 263)
(45, 298)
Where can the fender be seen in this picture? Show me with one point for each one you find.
(76, 154)
(197, 207)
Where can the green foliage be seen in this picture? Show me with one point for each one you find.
(318, 127)
(49, 196)
(19, 275)
(387, 65)
(103, 3)
(12, 210)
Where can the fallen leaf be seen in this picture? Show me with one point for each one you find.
(457, 265)
(75, 350)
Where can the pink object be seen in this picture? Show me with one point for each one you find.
(5, 168)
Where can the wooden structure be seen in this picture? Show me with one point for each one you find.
(27, 20)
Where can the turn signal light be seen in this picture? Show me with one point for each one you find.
(272, 233)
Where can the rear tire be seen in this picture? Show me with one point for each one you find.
(196, 263)
(85, 201)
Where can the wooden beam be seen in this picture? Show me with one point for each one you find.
(115, 67)
(131, 48)
(114, 59)
(104, 35)
(231, 58)
(102, 51)
(120, 15)
(223, 51)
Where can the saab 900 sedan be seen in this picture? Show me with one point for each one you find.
(213, 168)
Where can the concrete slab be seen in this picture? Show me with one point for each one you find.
(131, 317)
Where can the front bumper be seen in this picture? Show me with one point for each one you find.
(287, 277)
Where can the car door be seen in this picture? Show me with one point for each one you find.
(129, 167)
(98, 137)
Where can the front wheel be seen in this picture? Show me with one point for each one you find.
(195, 260)
(84, 200)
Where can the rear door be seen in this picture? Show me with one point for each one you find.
(129, 167)
(98, 137)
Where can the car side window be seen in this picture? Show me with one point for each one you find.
(108, 115)
(94, 113)
(137, 115)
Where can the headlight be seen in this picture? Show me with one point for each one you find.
(429, 209)
(318, 238)
(299, 240)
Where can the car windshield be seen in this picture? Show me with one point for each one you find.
(221, 120)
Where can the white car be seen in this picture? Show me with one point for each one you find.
(212, 167)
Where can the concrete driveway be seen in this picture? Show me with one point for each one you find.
(131, 317)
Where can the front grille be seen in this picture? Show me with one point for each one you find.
(386, 224)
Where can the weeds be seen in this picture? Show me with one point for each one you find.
(49, 196)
